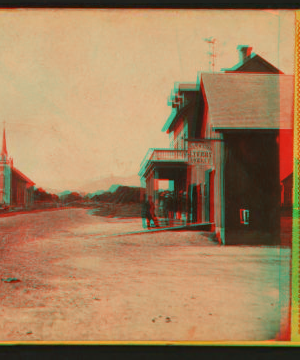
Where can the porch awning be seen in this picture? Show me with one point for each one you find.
(163, 156)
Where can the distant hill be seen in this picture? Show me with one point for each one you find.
(63, 193)
(52, 190)
(106, 183)
(93, 186)
(113, 188)
(91, 195)
(122, 195)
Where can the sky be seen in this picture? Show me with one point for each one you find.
(84, 92)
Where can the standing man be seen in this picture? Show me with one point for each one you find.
(148, 213)
(145, 212)
(170, 209)
(152, 214)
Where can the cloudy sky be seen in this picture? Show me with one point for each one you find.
(84, 92)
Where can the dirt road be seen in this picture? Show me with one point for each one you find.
(76, 284)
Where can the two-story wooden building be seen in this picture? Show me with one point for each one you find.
(227, 132)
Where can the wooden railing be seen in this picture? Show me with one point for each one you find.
(163, 155)
(169, 155)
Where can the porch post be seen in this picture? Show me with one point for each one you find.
(220, 189)
(151, 184)
(188, 194)
(200, 203)
(155, 190)
(144, 185)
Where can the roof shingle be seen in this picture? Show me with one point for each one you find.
(256, 101)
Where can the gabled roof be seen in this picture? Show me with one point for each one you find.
(245, 64)
(249, 101)
(23, 177)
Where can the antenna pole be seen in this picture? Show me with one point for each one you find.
(211, 53)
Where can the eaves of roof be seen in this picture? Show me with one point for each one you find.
(23, 177)
(175, 115)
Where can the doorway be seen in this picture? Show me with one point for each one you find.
(209, 195)
(252, 187)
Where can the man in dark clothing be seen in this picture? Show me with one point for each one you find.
(152, 213)
(148, 214)
(145, 213)
(170, 209)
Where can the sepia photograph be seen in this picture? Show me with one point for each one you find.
(146, 175)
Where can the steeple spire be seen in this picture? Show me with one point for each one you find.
(4, 150)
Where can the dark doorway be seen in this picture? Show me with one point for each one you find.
(194, 204)
(199, 204)
(252, 183)
(211, 196)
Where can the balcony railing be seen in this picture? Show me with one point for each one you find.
(163, 155)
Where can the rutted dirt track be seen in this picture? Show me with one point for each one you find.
(170, 285)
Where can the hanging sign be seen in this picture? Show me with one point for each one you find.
(200, 154)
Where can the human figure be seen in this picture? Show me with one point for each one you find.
(145, 212)
(170, 210)
(148, 213)
(188, 210)
(166, 211)
(152, 215)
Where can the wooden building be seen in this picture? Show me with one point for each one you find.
(225, 152)
(16, 189)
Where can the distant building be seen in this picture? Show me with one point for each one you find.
(16, 189)
(226, 136)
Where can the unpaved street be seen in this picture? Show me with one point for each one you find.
(76, 284)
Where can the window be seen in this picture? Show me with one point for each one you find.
(185, 133)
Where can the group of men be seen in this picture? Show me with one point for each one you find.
(148, 212)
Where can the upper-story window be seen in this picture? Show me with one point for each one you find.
(185, 133)
(180, 134)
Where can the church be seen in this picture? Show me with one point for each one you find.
(16, 189)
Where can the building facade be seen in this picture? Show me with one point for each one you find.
(226, 150)
(15, 188)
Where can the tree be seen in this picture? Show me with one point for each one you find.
(72, 197)
(40, 195)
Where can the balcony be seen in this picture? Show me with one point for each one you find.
(163, 155)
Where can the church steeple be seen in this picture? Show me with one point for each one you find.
(4, 149)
